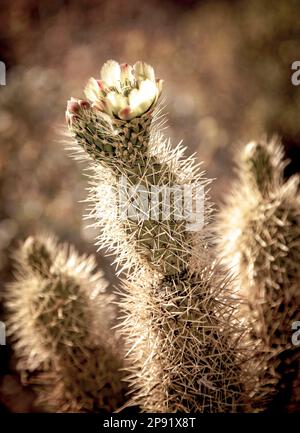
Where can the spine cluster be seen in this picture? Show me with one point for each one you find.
(259, 232)
(59, 320)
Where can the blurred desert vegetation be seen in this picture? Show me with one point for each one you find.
(227, 72)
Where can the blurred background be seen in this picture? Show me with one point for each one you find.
(227, 72)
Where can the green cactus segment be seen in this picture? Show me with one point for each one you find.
(130, 150)
(183, 343)
(59, 319)
(184, 357)
(94, 134)
(62, 324)
(104, 138)
(134, 137)
(261, 243)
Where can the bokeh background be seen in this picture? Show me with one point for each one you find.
(227, 72)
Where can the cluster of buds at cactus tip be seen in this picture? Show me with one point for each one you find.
(59, 320)
(259, 231)
(183, 341)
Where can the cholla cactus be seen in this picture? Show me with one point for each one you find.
(260, 241)
(183, 341)
(59, 320)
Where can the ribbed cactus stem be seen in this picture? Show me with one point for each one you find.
(159, 244)
(184, 344)
(59, 319)
(260, 241)
(179, 326)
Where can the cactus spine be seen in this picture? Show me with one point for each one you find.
(59, 318)
(182, 338)
(260, 241)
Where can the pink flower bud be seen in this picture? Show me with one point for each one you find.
(84, 104)
(73, 106)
